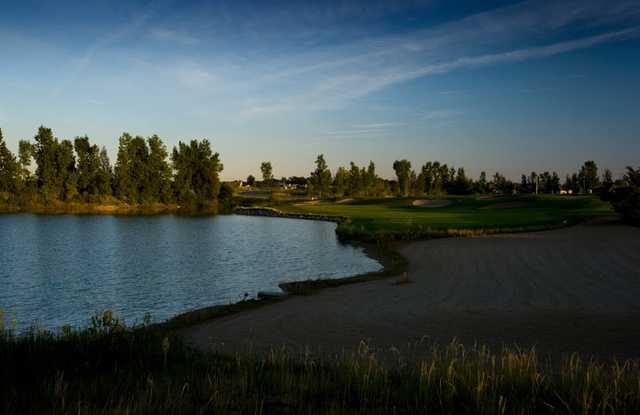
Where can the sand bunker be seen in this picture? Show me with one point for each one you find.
(344, 202)
(573, 289)
(510, 205)
(431, 203)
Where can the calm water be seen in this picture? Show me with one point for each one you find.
(61, 269)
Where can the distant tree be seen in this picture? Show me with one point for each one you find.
(321, 177)
(197, 169)
(461, 185)
(251, 180)
(482, 186)
(607, 182)
(66, 171)
(104, 177)
(27, 183)
(340, 182)
(9, 168)
(354, 180)
(124, 186)
(500, 184)
(371, 179)
(45, 152)
(625, 196)
(588, 176)
(403, 173)
(89, 166)
(159, 172)
(267, 172)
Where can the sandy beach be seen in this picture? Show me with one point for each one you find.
(570, 290)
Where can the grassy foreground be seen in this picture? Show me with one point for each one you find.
(400, 219)
(111, 369)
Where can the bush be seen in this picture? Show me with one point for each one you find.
(625, 196)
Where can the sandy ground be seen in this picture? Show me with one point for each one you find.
(426, 203)
(570, 290)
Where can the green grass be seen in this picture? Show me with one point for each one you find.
(371, 219)
(112, 369)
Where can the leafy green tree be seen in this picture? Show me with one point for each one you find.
(27, 182)
(340, 182)
(45, 154)
(66, 168)
(124, 185)
(104, 178)
(403, 173)
(251, 180)
(371, 179)
(159, 172)
(321, 177)
(9, 168)
(197, 170)
(267, 172)
(88, 166)
(354, 180)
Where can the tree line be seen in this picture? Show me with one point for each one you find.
(433, 178)
(48, 169)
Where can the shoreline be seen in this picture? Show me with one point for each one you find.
(392, 261)
(556, 305)
(275, 213)
(97, 208)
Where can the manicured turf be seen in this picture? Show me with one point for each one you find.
(464, 213)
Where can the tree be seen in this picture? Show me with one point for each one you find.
(461, 185)
(88, 166)
(267, 172)
(588, 176)
(625, 196)
(45, 154)
(197, 169)
(158, 171)
(104, 178)
(321, 177)
(9, 168)
(66, 171)
(251, 180)
(340, 182)
(403, 173)
(354, 180)
(124, 186)
(25, 155)
(482, 186)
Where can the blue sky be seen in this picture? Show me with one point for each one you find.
(491, 85)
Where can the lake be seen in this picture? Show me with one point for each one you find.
(61, 269)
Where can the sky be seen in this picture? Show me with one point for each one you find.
(490, 85)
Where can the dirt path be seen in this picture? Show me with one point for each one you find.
(569, 290)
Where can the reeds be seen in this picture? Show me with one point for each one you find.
(110, 368)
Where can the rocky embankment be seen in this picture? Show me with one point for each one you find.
(274, 213)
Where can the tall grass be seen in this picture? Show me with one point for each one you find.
(110, 368)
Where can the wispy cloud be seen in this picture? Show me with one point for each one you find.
(167, 35)
(365, 130)
(332, 78)
(192, 75)
(83, 62)
(439, 114)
